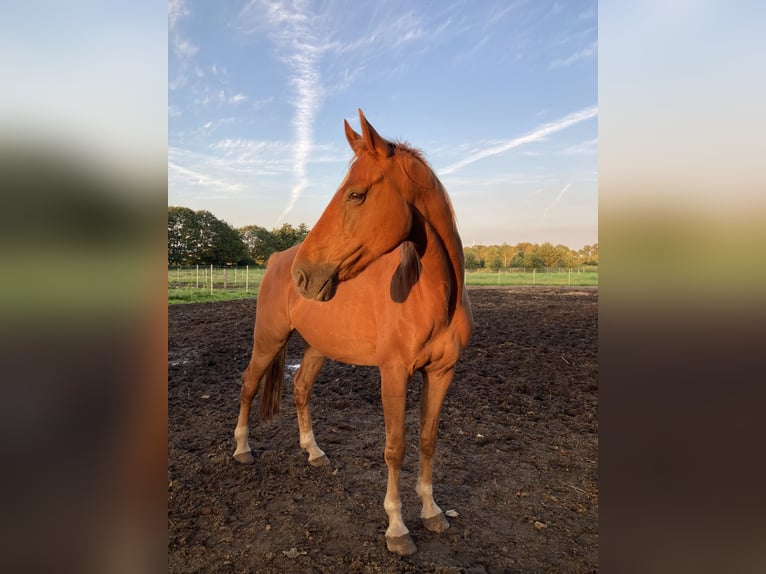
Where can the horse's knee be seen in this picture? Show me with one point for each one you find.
(394, 454)
(427, 446)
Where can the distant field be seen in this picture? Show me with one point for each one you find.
(192, 285)
(575, 277)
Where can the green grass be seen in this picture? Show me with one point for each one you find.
(192, 284)
(510, 278)
(186, 286)
(180, 295)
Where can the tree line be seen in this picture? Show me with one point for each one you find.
(200, 238)
(528, 256)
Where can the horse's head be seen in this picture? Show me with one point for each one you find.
(369, 215)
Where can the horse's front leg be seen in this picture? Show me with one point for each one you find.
(435, 386)
(312, 363)
(394, 395)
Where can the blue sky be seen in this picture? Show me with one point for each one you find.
(500, 96)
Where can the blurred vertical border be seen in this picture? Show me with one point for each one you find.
(682, 317)
(83, 313)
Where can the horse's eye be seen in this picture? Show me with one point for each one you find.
(357, 196)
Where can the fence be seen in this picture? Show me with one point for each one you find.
(210, 283)
(554, 276)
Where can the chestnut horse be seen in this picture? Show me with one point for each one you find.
(378, 281)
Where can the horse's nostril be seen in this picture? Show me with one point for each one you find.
(301, 280)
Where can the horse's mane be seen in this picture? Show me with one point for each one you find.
(417, 154)
(448, 234)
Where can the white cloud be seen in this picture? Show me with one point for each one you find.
(586, 52)
(183, 48)
(297, 37)
(533, 136)
(265, 157)
(177, 9)
(233, 165)
(191, 177)
(586, 147)
(263, 102)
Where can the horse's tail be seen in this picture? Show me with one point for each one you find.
(271, 394)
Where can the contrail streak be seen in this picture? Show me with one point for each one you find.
(556, 200)
(533, 136)
(294, 31)
(308, 87)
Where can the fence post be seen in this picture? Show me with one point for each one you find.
(197, 275)
(570, 275)
(533, 275)
(247, 278)
(211, 278)
(225, 277)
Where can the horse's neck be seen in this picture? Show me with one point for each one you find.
(443, 245)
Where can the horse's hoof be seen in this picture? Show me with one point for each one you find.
(436, 523)
(401, 545)
(244, 457)
(321, 461)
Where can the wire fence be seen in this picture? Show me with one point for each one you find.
(208, 282)
(199, 283)
(554, 276)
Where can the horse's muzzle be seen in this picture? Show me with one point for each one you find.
(317, 283)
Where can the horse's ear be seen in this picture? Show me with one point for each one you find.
(375, 143)
(354, 139)
(407, 273)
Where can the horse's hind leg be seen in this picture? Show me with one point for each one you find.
(435, 386)
(312, 363)
(265, 351)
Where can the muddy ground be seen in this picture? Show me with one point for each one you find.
(516, 455)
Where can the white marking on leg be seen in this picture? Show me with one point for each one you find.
(425, 491)
(396, 525)
(393, 506)
(240, 435)
(308, 443)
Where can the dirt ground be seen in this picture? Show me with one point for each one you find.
(516, 455)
